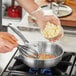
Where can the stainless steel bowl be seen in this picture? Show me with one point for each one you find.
(47, 48)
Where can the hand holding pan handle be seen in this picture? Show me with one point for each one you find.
(19, 34)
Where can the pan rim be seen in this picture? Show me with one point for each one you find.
(62, 52)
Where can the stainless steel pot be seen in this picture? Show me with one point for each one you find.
(42, 47)
(47, 48)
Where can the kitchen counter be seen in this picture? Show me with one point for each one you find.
(71, 19)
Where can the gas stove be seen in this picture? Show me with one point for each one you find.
(66, 67)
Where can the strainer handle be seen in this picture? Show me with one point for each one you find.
(19, 34)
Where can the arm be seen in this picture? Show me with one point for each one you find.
(28, 5)
(7, 42)
(31, 6)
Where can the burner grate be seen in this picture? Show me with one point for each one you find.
(21, 69)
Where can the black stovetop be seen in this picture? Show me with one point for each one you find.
(64, 68)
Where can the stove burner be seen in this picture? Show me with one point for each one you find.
(46, 72)
(33, 70)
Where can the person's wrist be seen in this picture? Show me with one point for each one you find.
(38, 9)
(37, 14)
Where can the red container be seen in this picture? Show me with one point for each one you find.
(14, 11)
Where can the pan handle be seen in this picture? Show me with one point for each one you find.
(19, 34)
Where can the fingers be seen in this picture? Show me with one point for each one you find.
(47, 18)
(57, 38)
(4, 49)
(7, 48)
(7, 42)
(10, 45)
(9, 37)
(41, 24)
(12, 37)
(5, 34)
(55, 20)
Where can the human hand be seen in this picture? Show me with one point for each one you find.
(7, 42)
(52, 32)
(52, 19)
(55, 21)
(42, 20)
(47, 18)
(58, 37)
(42, 17)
